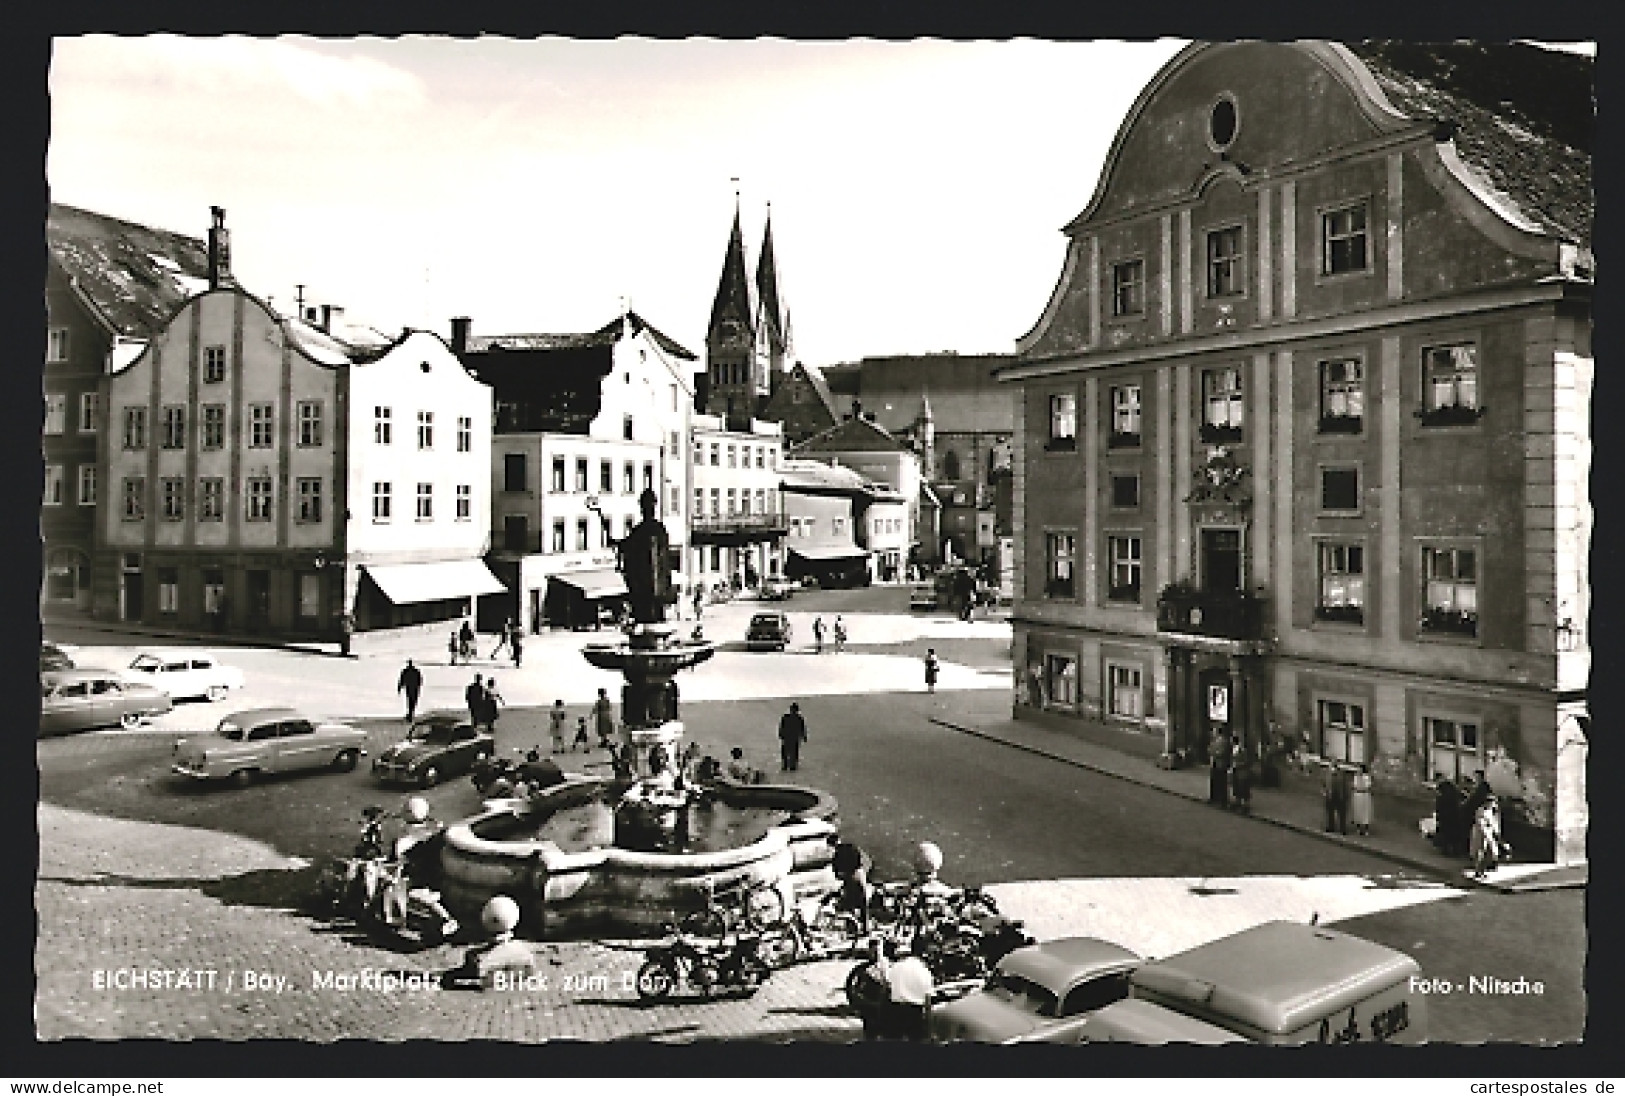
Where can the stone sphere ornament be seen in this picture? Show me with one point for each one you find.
(501, 914)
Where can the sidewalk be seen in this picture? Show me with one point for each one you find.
(1295, 805)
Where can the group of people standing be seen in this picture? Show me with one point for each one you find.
(1468, 823)
(1230, 774)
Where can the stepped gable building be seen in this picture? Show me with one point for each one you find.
(582, 420)
(748, 336)
(264, 477)
(109, 284)
(1303, 430)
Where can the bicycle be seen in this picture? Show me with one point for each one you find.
(749, 903)
(831, 933)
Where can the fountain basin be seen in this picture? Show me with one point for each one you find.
(563, 893)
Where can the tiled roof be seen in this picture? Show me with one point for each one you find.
(802, 473)
(820, 386)
(608, 335)
(854, 435)
(133, 275)
(1525, 117)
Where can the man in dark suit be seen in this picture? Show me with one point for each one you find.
(792, 733)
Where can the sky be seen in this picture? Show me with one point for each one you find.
(918, 189)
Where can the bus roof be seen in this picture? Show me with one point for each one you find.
(1276, 977)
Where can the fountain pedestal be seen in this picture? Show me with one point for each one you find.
(646, 876)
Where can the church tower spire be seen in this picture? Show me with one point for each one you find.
(730, 340)
(772, 323)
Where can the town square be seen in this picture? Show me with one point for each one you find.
(582, 600)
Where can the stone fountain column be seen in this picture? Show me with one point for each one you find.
(648, 659)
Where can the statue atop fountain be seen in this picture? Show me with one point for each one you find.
(648, 658)
(643, 557)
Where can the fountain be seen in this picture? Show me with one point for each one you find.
(605, 854)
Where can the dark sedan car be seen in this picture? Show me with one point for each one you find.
(439, 745)
(79, 700)
(768, 632)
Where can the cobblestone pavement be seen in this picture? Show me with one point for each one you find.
(118, 894)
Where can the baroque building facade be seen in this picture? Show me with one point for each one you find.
(1303, 430)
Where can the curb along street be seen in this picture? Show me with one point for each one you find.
(1512, 879)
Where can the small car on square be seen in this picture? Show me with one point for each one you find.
(263, 741)
(438, 745)
(185, 674)
(82, 700)
(923, 598)
(768, 632)
(776, 589)
(1041, 993)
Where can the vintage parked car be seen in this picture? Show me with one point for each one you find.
(1041, 993)
(54, 657)
(439, 745)
(250, 744)
(184, 674)
(78, 700)
(776, 589)
(768, 632)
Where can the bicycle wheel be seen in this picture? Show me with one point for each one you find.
(782, 949)
(764, 906)
(656, 980)
(836, 933)
(711, 924)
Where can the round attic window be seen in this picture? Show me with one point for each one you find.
(1221, 124)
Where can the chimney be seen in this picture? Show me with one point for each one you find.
(329, 313)
(857, 409)
(219, 249)
(459, 334)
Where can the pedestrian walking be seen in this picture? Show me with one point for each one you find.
(503, 639)
(792, 733)
(1218, 773)
(474, 696)
(465, 642)
(493, 704)
(603, 714)
(818, 635)
(556, 719)
(346, 631)
(518, 645)
(451, 648)
(1484, 844)
(931, 670)
(1334, 790)
(1241, 778)
(699, 601)
(1476, 798)
(581, 738)
(411, 683)
(840, 635)
(1360, 802)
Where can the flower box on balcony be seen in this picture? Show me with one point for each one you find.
(1340, 614)
(1453, 415)
(1123, 593)
(1058, 588)
(1341, 424)
(1062, 445)
(1123, 440)
(1219, 435)
(1449, 622)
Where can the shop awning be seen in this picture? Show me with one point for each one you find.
(410, 583)
(830, 552)
(594, 584)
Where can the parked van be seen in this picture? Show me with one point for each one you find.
(1281, 983)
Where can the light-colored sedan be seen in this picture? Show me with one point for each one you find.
(184, 674)
(79, 700)
(1041, 993)
(251, 744)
